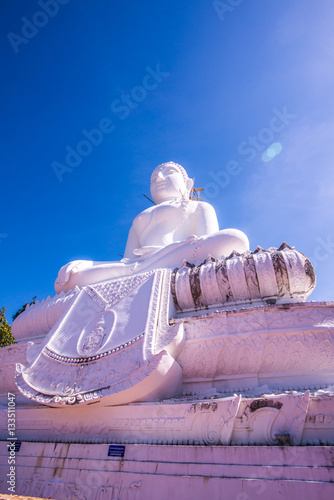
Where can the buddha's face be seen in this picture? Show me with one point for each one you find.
(167, 183)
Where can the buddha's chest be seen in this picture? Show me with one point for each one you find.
(177, 218)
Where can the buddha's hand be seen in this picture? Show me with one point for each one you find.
(146, 251)
(191, 238)
(74, 267)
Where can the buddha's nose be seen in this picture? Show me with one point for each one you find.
(160, 176)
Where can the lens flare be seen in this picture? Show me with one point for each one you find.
(273, 150)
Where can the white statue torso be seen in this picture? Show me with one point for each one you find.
(173, 221)
(162, 236)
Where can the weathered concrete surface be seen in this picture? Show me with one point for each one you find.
(84, 471)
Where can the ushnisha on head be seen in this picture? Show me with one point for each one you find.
(170, 181)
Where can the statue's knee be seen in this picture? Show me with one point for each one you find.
(233, 239)
(243, 240)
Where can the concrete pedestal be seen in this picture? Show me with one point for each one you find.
(237, 414)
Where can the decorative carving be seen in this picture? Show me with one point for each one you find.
(264, 403)
(264, 276)
(265, 342)
(104, 367)
(291, 352)
(223, 281)
(272, 421)
(92, 340)
(202, 422)
(266, 273)
(93, 485)
(251, 275)
(214, 421)
(320, 420)
(113, 291)
(38, 319)
(301, 404)
(203, 406)
(277, 317)
(209, 288)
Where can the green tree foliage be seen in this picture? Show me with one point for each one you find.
(23, 308)
(6, 337)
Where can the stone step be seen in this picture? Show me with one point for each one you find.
(229, 455)
(264, 472)
(64, 471)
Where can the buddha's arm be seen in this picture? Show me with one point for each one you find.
(206, 220)
(135, 253)
(82, 272)
(131, 244)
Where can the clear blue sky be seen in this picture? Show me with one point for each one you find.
(201, 83)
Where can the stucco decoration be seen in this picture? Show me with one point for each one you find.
(273, 420)
(290, 418)
(287, 346)
(38, 319)
(264, 276)
(113, 343)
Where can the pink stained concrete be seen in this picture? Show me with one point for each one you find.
(182, 472)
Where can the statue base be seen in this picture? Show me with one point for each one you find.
(271, 419)
(181, 392)
(258, 375)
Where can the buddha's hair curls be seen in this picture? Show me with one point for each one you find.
(176, 165)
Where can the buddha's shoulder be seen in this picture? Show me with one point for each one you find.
(154, 208)
(194, 206)
(143, 217)
(203, 206)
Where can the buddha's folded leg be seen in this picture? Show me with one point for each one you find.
(221, 244)
(196, 251)
(95, 274)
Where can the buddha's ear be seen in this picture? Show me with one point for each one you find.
(189, 185)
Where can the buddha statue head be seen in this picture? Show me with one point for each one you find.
(169, 181)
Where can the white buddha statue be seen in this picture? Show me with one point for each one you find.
(175, 229)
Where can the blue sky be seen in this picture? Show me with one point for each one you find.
(210, 85)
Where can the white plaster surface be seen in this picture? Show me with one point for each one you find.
(113, 343)
(283, 419)
(185, 359)
(275, 353)
(287, 347)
